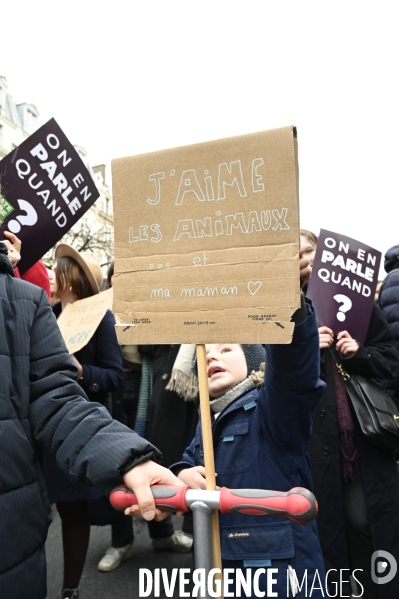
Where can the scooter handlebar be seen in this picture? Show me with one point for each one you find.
(167, 497)
(298, 504)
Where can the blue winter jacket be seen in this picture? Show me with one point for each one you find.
(261, 441)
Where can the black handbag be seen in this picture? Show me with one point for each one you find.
(376, 412)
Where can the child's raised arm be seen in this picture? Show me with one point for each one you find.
(292, 386)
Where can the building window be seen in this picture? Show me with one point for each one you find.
(107, 206)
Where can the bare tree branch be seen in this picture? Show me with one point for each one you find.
(84, 238)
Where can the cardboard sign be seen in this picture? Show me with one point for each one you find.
(343, 282)
(79, 321)
(46, 189)
(206, 242)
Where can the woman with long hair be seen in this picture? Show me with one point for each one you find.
(99, 371)
(355, 482)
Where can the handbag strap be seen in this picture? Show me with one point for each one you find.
(338, 363)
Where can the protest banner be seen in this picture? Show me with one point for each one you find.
(45, 190)
(79, 321)
(343, 283)
(206, 241)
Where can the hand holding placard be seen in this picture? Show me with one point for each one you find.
(346, 345)
(13, 245)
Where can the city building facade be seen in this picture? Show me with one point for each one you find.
(94, 232)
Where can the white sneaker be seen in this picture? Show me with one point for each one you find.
(70, 594)
(114, 556)
(179, 542)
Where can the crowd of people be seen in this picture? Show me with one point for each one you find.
(281, 419)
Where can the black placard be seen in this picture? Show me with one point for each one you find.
(45, 190)
(343, 282)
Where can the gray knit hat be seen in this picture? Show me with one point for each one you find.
(255, 354)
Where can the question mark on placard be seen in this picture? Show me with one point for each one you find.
(29, 219)
(346, 305)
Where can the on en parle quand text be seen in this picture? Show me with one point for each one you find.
(244, 585)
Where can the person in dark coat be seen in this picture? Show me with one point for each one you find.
(43, 407)
(388, 301)
(389, 292)
(172, 423)
(126, 397)
(355, 482)
(99, 364)
(169, 407)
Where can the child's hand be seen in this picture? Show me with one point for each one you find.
(326, 337)
(194, 477)
(346, 345)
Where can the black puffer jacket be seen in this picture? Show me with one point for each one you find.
(42, 406)
(389, 292)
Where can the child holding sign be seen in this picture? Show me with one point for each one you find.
(261, 434)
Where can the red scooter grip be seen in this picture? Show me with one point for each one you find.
(167, 497)
(298, 504)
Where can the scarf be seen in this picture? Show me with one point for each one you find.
(141, 425)
(350, 470)
(5, 264)
(255, 379)
(183, 381)
(220, 403)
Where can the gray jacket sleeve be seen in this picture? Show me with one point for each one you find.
(89, 446)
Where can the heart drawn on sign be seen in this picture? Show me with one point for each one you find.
(254, 286)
